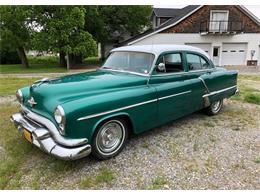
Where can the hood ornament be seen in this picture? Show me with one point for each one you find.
(41, 81)
(32, 102)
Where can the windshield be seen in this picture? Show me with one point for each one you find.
(138, 62)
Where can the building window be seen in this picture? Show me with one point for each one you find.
(215, 52)
(219, 20)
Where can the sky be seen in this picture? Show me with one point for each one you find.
(255, 9)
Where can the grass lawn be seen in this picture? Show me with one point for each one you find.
(34, 68)
(16, 152)
(249, 89)
(9, 85)
(42, 64)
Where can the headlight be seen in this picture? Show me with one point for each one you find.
(19, 96)
(59, 116)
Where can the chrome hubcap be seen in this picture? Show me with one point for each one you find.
(110, 137)
(215, 106)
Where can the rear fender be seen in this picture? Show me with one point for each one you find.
(219, 85)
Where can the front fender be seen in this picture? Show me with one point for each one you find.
(118, 114)
(85, 114)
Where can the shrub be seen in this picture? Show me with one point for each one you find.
(9, 57)
(92, 61)
(45, 60)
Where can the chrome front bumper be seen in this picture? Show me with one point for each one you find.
(45, 135)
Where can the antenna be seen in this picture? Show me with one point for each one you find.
(152, 66)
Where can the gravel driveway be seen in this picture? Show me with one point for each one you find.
(195, 152)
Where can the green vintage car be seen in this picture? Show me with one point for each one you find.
(138, 88)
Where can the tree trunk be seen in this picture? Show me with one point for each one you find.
(78, 59)
(62, 59)
(68, 61)
(75, 60)
(71, 60)
(23, 57)
(103, 52)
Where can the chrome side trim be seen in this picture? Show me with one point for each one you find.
(202, 80)
(219, 91)
(131, 106)
(177, 94)
(183, 72)
(115, 110)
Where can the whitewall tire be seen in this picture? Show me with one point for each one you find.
(110, 138)
(214, 107)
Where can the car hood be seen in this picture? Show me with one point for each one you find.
(50, 93)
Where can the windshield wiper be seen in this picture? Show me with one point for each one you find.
(105, 68)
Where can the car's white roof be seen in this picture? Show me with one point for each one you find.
(157, 49)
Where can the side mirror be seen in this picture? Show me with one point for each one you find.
(161, 67)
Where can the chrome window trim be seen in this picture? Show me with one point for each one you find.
(183, 72)
(131, 106)
(150, 73)
(219, 91)
(124, 71)
(206, 69)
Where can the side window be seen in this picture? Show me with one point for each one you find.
(204, 63)
(195, 62)
(173, 62)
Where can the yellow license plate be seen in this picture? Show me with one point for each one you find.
(27, 135)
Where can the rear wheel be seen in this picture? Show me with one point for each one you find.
(214, 108)
(110, 138)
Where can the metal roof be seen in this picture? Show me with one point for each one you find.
(166, 12)
(157, 49)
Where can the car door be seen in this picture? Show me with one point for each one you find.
(210, 83)
(173, 92)
(198, 68)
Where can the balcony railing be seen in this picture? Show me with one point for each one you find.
(219, 27)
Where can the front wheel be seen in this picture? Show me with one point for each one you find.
(214, 107)
(110, 138)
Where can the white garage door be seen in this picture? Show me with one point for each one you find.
(233, 54)
(204, 46)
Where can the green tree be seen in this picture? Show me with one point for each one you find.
(15, 29)
(126, 19)
(119, 21)
(61, 29)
